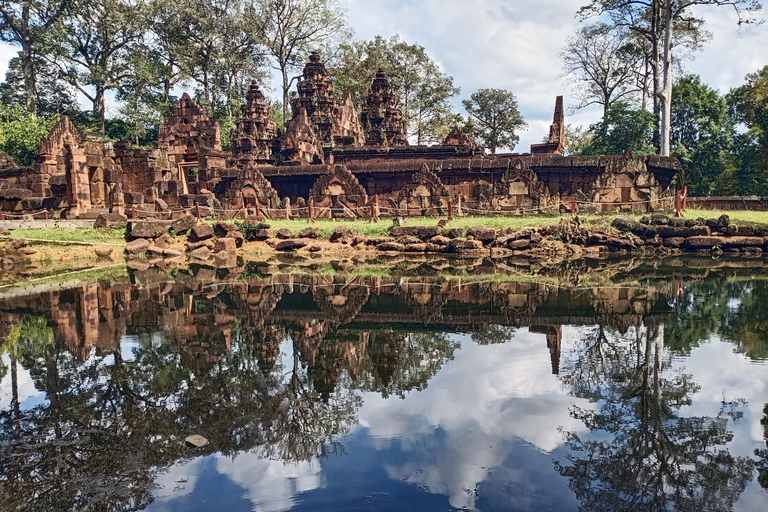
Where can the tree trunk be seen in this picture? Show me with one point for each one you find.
(666, 92)
(30, 80)
(286, 85)
(99, 108)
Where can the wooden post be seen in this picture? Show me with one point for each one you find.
(197, 208)
(685, 198)
(678, 205)
(45, 213)
(373, 210)
(133, 211)
(258, 209)
(2, 215)
(450, 208)
(573, 205)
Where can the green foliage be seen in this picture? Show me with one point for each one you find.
(622, 129)
(21, 133)
(749, 107)
(701, 135)
(496, 116)
(422, 90)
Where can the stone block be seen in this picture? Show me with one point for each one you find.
(310, 233)
(291, 245)
(418, 247)
(148, 228)
(110, 220)
(391, 247)
(131, 198)
(485, 234)
(222, 229)
(228, 245)
(161, 205)
(743, 241)
(284, 234)
(200, 232)
(519, 245)
(675, 242)
(238, 237)
(137, 246)
(184, 224)
(704, 242)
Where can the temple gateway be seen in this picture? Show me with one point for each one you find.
(331, 156)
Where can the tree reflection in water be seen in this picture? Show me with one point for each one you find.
(640, 453)
(278, 369)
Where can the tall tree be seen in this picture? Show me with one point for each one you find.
(290, 29)
(657, 21)
(96, 43)
(604, 63)
(622, 129)
(496, 116)
(701, 135)
(25, 24)
(749, 106)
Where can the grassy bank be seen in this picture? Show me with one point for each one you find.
(89, 235)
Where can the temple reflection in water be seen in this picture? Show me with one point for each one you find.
(278, 366)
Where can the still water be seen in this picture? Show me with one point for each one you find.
(330, 393)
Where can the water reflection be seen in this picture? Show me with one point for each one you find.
(416, 389)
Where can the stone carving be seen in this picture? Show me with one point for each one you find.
(63, 154)
(299, 144)
(457, 137)
(188, 130)
(381, 121)
(348, 130)
(254, 133)
(520, 189)
(251, 189)
(425, 195)
(6, 162)
(338, 194)
(556, 142)
(316, 96)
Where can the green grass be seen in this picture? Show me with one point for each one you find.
(739, 216)
(105, 236)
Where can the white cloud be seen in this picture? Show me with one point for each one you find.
(271, 485)
(486, 397)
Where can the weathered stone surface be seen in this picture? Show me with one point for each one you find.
(405, 231)
(291, 245)
(659, 220)
(310, 233)
(408, 239)
(315, 248)
(284, 234)
(201, 253)
(704, 242)
(202, 243)
(222, 229)
(161, 205)
(453, 232)
(463, 244)
(171, 253)
(519, 245)
(723, 221)
(103, 251)
(338, 234)
(137, 246)
(675, 241)
(184, 224)
(435, 248)
(417, 247)
(485, 234)
(18, 243)
(110, 220)
(743, 241)
(238, 237)
(263, 234)
(624, 223)
(5, 232)
(147, 228)
(391, 247)
(137, 265)
(200, 232)
(377, 240)
(359, 240)
(439, 240)
(228, 245)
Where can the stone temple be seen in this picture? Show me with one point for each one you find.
(340, 160)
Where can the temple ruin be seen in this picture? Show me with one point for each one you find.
(331, 156)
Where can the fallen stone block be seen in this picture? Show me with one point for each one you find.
(418, 247)
(137, 246)
(390, 247)
(742, 241)
(147, 228)
(184, 224)
(485, 234)
(110, 221)
(704, 242)
(291, 245)
(228, 245)
(200, 232)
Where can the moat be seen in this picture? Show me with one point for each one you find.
(594, 386)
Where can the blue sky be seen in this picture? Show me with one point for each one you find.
(513, 44)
